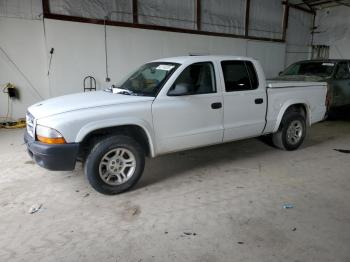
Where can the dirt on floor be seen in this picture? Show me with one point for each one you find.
(241, 201)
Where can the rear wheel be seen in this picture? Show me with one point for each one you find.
(115, 164)
(292, 131)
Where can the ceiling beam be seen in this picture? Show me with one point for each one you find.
(299, 7)
(342, 3)
(314, 3)
(307, 4)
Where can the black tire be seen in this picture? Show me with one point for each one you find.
(99, 151)
(280, 138)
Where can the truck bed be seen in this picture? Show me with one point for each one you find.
(284, 84)
(282, 93)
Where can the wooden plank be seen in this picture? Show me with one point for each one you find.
(198, 14)
(46, 7)
(285, 22)
(135, 18)
(247, 12)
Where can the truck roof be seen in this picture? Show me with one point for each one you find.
(200, 58)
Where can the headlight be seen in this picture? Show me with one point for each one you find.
(49, 135)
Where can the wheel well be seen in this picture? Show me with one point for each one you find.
(134, 131)
(300, 108)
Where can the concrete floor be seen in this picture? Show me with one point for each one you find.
(221, 203)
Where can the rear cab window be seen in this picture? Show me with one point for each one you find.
(239, 75)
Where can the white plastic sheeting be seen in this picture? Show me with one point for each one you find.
(172, 13)
(299, 27)
(332, 25)
(21, 9)
(266, 18)
(298, 36)
(270, 55)
(116, 10)
(333, 29)
(225, 16)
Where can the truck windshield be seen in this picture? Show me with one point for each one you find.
(147, 80)
(322, 69)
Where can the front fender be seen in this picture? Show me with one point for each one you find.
(114, 122)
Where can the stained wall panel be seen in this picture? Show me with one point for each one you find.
(266, 18)
(172, 13)
(116, 10)
(225, 16)
(298, 36)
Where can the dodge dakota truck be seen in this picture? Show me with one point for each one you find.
(164, 106)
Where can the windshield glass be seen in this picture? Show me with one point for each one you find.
(147, 80)
(323, 69)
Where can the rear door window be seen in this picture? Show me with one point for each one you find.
(239, 75)
(342, 71)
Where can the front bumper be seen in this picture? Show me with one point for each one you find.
(52, 157)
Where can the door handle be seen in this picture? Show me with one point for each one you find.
(216, 105)
(259, 101)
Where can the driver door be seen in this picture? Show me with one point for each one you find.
(192, 119)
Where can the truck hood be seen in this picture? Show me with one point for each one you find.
(67, 103)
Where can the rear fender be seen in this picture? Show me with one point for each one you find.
(285, 108)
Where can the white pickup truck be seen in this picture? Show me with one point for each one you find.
(169, 105)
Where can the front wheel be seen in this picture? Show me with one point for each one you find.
(291, 133)
(115, 164)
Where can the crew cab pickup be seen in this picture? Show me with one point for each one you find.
(169, 105)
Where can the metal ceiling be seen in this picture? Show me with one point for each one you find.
(320, 4)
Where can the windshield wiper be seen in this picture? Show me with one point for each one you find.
(117, 90)
(122, 91)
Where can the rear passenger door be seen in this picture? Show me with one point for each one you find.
(341, 85)
(244, 100)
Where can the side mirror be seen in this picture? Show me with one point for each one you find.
(179, 90)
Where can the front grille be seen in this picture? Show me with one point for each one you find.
(30, 124)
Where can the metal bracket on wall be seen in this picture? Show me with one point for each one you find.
(91, 82)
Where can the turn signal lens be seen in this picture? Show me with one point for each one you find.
(47, 140)
(49, 135)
